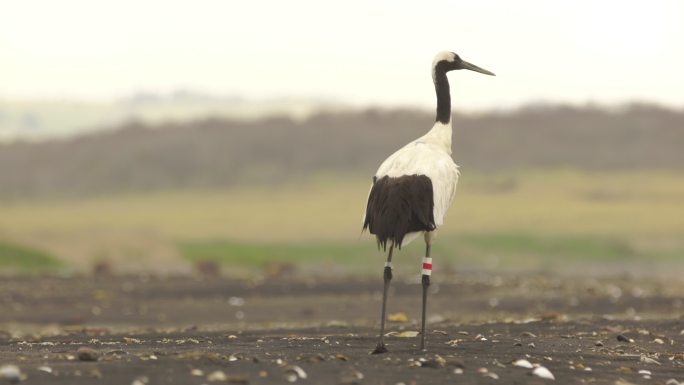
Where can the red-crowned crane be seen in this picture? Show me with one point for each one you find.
(413, 188)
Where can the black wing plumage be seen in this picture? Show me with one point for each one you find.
(398, 206)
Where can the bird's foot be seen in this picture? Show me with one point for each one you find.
(380, 349)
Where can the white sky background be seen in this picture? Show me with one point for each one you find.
(359, 51)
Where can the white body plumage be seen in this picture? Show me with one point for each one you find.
(429, 155)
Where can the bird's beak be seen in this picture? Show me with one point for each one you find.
(467, 66)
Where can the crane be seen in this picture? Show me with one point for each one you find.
(414, 187)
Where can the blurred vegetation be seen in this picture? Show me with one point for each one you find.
(505, 250)
(535, 217)
(23, 259)
(540, 186)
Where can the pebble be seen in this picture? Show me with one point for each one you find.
(397, 317)
(623, 338)
(196, 372)
(648, 360)
(543, 372)
(672, 381)
(523, 364)
(491, 375)
(131, 340)
(85, 353)
(45, 369)
(140, 381)
(293, 372)
(217, 375)
(352, 377)
(436, 362)
(646, 374)
(11, 373)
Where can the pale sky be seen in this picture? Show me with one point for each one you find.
(359, 51)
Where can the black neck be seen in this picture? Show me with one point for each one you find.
(443, 96)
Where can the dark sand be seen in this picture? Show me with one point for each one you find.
(185, 330)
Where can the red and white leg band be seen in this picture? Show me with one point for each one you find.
(427, 266)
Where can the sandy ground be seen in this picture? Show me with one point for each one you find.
(182, 330)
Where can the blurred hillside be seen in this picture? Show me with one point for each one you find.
(208, 153)
(51, 119)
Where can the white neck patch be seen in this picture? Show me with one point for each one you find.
(442, 56)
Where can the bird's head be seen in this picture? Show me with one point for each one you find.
(448, 61)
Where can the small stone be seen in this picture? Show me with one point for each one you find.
(143, 380)
(528, 334)
(436, 362)
(408, 334)
(523, 364)
(398, 317)
(598, 343)
(458, 371)
(85, 353)
(217, 375)
(299, 372)
(621, 381)
(11, 373)
(352, 377)
(45, 369)
(531, 345)
(491, 375)
(648, 360)
(623, 338)
(415, 364)
(196, 372)
(543, 372)
(659, 341)
(672, 381)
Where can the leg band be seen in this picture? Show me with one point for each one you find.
(427, 266)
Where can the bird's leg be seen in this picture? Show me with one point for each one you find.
(387, 277)
(427, 270)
